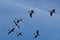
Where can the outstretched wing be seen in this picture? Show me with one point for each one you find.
(12, 30)
(9, 32)
(35, 36)
(19, 20)
(50, 13)
(37, 32)
(16, 25)
(31, 15)
(53, 10)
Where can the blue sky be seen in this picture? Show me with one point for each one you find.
(49, 27)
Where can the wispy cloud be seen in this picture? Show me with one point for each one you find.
(40, 13)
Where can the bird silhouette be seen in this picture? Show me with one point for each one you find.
(52, 11)
(19, 34)
(31, 12)
(36, 34)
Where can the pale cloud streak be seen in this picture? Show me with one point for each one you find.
(40, 13)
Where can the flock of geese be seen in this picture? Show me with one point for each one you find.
(17, 20)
